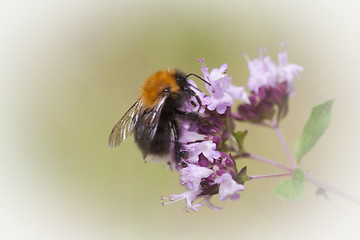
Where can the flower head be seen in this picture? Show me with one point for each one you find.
(270, 85)
(265, 73)
(222, 92)
(207, 171)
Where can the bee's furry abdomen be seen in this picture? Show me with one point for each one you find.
(160, 144)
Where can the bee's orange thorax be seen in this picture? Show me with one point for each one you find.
(156, 84)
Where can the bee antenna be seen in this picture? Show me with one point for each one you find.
(193, 74)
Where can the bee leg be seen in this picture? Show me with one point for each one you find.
(179, 155)
(198, 100)
(191, 116)
(193, 94)
(188, 115)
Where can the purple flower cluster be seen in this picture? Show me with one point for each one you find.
(208, 168)
(270, 86)
(209, 171)
(265, 73)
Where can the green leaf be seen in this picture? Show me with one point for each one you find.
(239, 137)
(242, 176)
(293, 189)
(314, 128)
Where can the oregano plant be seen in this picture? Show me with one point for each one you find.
(211, 144)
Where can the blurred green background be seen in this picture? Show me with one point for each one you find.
(70, 69)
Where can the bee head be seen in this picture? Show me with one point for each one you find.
(181, 79)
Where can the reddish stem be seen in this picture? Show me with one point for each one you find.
(284, 145)
(269, 176)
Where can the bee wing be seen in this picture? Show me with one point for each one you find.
(125, 126)
(153, 116)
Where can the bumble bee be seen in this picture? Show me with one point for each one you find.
(154, 117)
